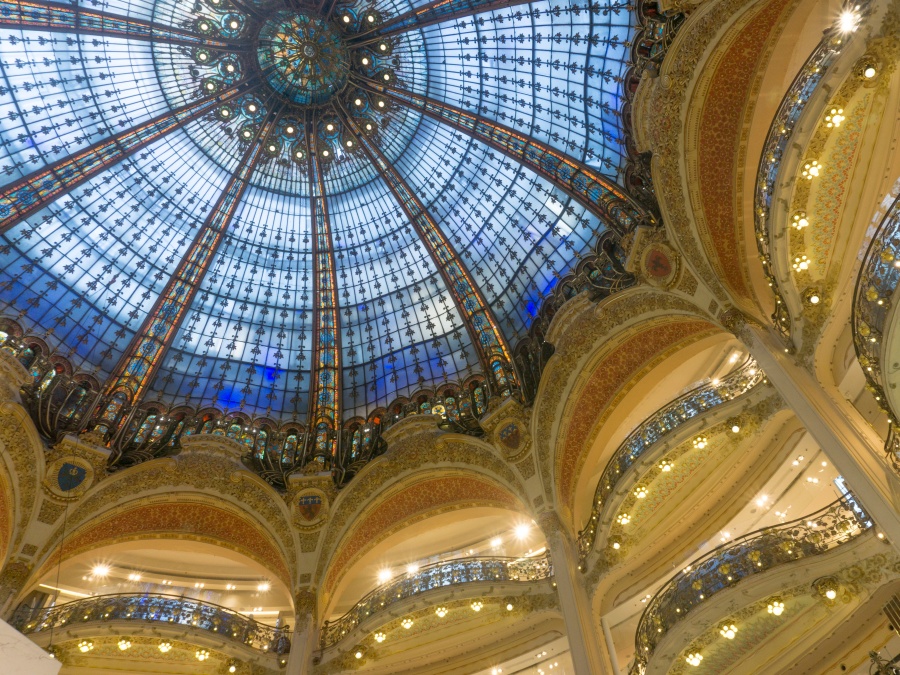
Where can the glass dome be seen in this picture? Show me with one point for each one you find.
(301, 213)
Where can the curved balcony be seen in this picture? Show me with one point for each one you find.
(728, 565)
(659, 425)
(157, 611)
(437, 576)
(873, 304)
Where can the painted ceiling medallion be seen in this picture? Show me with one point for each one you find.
(303, 58)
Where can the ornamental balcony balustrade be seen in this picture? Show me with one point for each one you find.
(62, 403)
(873, 299)
(431, 577)
(731, 563)
(168, 610)
(777, 142)
(660, 424)
(601, 273)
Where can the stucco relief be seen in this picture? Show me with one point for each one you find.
(22, 445)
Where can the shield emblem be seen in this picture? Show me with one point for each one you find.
(309, 507)
(510, 436)
(70, 476)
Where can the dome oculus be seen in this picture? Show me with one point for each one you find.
(303, 58)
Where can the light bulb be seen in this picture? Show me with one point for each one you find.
(693, 659)
(477, 605)
(441, 612)
(379, 637)
(407, 623)
(728, 631)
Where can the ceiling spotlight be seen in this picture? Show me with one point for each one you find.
(407, 623)
(728, 631)
(735, 428)
(616, 545)
(264, 587)
(359, 653)
(85, 646)
(522, 530)
(385, 575)
(100, 570)
(869, 72)
(848, 21)
(289, 130)
(496, 542)
(134, 576)
(349, 144)
(370, 18)
(387, 77)
(365, 61)
(358, 101)
(477, 606)
(329, 127)
(379, 637)
(232, 667)
(412, 568)
(441, 612)
(509, 607)
(234, 24)
(347, 18)
(124, 644)
(165, 647)
(811, 170)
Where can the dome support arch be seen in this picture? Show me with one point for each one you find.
(606, 199)
(31, 193)
(143, 357)
(485, 333)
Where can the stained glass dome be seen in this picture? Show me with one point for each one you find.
(302, 214)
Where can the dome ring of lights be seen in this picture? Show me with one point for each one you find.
(313, 218)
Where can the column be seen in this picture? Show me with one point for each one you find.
(851, 444)
(585, 643)
(304, 637)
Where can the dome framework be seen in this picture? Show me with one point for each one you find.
(295, 126)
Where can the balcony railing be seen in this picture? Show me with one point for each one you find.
(439, 575)
(167, 610)
(875, 287)
(659, 425)
(728, 565)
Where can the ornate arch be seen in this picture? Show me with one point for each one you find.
(192, 516)
(419, 496)
(585, 337)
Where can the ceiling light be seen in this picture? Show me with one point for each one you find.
(358, 654)
(329, 127)
(379, 637)
(264, 587)
(776, 607)
(700, 442)
(234, 24)
(365, 61)
(834, 118)
(799, 220)
(522, 530)
(640, 492)
(252, 107)
(811, 169)
(100, 570)
(623, 519)
(289, 130)
(665, 465)
(85, 646)
(124, 644)
(735, 429)
(477, 605)
(801, 263)
(848, 21)
(232, 667)
(201, 654)
(728, 631)
(509, 607)
(164, 647)
(385, 575)
(370, 18)
(869, 72)
(693, 659)
(441, 611)
(412, 568)
(616, 545)
(496, 542)
(347, 18)
(407, 623)
(134, 576)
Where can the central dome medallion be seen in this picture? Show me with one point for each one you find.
(303, 57)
